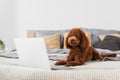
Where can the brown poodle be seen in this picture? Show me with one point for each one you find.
(80, 50)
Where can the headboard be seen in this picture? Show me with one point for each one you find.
(31, 33)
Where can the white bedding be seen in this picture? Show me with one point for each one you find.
(105, 70)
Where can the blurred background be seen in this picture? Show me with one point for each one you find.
(16, 16)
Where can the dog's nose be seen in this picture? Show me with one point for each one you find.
(72, 41)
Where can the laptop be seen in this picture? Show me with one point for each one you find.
(32, 52)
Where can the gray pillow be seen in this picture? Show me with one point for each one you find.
(110, 42)
(100, 31)
(96, 32)
(95, 40)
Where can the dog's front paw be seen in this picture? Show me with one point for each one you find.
(67, 65)
(61, 62)
(73, 63)
(70, 64)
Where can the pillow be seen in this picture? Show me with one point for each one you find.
(89, 37)
(41, 33)
(65, 35)
(103, 36)
(52, 41)
(100, 31)
(110, 42)
(95, 40)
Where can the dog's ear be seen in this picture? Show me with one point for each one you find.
(84, 44)
(66, 43)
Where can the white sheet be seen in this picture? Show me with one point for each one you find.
(106, 70)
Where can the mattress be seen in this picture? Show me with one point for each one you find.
(108, 69)
(103, 70)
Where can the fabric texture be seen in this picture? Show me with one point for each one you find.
(41, 33)
(103, 36)
(52, 41)
(57, 54)
(95, 40)
(22, 73)
(90, 71)
(100, 31)
(110, 42)
(97, 32)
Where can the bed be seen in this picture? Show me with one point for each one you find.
(107, 69)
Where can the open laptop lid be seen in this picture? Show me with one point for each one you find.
(32, 52)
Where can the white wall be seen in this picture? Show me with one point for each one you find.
(56, 14)
(7, 21)
(103, 14)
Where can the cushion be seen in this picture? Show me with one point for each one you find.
(95, 40)
(103, 36)
(89, 37)
(52, 41)
(65, 35)
(110, 42)
(41, 33)
(97, 32)
(100, 31)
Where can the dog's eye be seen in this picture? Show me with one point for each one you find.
(70, 35)
(78, 37)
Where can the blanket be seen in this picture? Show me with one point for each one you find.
(60, 54)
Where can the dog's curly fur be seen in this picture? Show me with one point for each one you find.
(80, 49)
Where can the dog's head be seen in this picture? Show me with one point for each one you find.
(77, 38)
